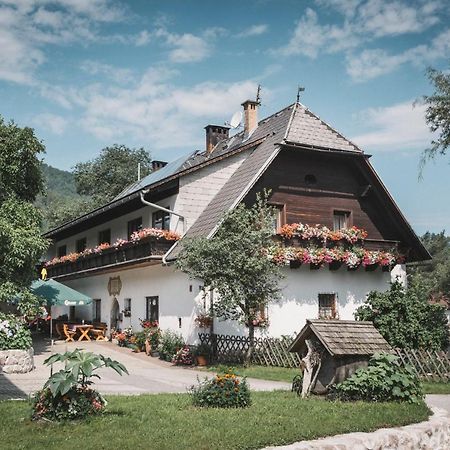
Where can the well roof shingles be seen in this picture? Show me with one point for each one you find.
(343, 337)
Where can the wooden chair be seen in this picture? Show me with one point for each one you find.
(68, 333)
(59, 330)
(99, 331)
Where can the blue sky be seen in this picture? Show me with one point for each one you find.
(89, 73)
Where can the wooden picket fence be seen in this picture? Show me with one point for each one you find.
(429, 365)
(268, 351)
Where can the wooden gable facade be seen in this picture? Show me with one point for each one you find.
(313, 187)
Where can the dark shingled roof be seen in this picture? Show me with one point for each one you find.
(342, 337)
(273, 131)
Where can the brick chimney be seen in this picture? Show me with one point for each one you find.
(156, 165)
(215, 134)
(250, 115)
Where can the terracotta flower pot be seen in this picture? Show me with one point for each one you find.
(201, 360)
(148, 348)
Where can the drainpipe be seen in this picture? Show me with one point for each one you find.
(154, 205)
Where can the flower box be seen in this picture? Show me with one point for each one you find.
(335, 265)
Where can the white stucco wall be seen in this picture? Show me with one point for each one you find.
(195, 192)
(300, 290)
(176, 300)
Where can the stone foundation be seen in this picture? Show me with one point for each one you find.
(16, 361)
(431, 435)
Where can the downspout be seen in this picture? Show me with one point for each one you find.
(154, 205)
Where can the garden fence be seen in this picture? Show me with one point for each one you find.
(268, 351)
(429, 365)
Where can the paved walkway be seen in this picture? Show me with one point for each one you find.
(439, 401)
(147, 374)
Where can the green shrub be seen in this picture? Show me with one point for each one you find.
(66, 394)
(297, 384)
(223, 391)
(169, 344)
(405, 317)
(383, 380)
(76, 403)
(14, 334)
(140, 338)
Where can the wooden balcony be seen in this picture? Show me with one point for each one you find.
(141, 252)
(368, 244)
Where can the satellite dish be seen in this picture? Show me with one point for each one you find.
(236, 119)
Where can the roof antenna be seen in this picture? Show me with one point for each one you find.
(258, 95)
(300, 89)
(139, 172)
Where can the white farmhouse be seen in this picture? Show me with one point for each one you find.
(122, 254)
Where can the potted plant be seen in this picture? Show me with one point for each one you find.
(202, 354)
(203, 320)
(154, 338)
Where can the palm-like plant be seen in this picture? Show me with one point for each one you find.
(79, 368)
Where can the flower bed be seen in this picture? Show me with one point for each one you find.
(136, 237)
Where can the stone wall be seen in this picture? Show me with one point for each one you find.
(16, 361)
(431, 435)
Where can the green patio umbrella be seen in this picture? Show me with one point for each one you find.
(56, 293)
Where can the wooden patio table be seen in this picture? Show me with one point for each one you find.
(84, 330)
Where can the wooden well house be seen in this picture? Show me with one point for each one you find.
(332, 350)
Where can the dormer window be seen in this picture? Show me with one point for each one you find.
(341, 220)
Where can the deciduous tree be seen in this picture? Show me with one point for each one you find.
(437, 114)
(108, 174)
(405, 317)
(233, 263)
(21, 244)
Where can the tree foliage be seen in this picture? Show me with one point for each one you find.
(20, 167)
(437, 114)
(405, 317)
(435, 274)
(233, 263)
(105, 176)
(21, 244)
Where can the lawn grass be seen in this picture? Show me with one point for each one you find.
(169, 421)
(436, 388)
(261, 372)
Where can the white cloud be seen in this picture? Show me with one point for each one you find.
(397, 127)
(117, 74)
(186, 47)
(373, 63)
(51, 122)
(362, 22)
(154, 110)
(310, 37)
(390, 18)
(254, 30)
(143, 38)
(26, 26)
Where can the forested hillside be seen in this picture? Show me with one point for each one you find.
(91, 184)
